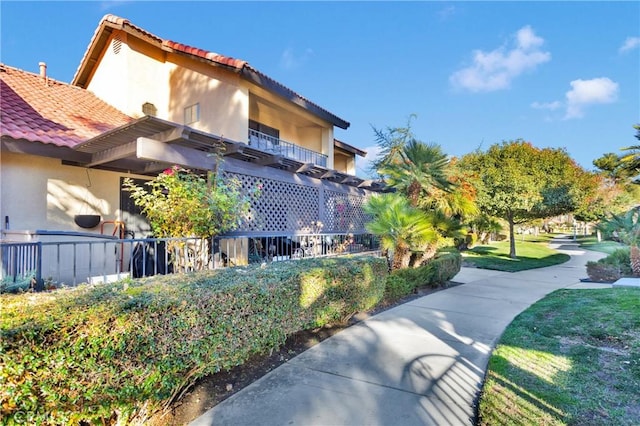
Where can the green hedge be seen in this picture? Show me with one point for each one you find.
(120, 351)
(440, 270)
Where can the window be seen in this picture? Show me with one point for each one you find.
(192, 113)
(259, 127)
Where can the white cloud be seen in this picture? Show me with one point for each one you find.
(363, 165)
(588, 92)
(446, 12)
(547, 105)
(582, 94)
(496, 69)
(527, 38)
(290, 59)
(629, 44)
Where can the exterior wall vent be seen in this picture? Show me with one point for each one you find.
(116, 45)
(149, 109)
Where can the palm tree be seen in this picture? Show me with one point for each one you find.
(416, 169)
(627, 227)
(402, 228)
(485, 225)
(630, 162)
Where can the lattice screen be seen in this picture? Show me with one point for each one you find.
(343, 212)
(279, 206)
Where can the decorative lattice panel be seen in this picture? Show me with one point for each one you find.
(278, 206)
(343, 212)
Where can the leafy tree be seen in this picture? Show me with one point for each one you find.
(401, 227)
(519, 182)
(180, 203)
(458, 203)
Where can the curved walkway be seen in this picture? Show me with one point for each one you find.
(420, 363)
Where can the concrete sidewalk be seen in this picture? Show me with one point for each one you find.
(421, 363)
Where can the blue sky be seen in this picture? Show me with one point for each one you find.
(558, 74)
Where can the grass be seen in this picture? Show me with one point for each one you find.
(531, 253)
(605, 246)
(572, 358)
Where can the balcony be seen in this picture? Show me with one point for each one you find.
(270, 144)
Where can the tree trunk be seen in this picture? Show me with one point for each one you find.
(401, 256)
(635, 259)
(414, 193)
(428, 254)
(512, 238)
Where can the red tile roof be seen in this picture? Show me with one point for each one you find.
(110, 22)
(52, 112)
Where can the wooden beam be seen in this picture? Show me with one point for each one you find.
(305, 167)
(269, 160)
(350, 179)
(112, 154)
(152, 150)
(329, 174)
(236, 148)
(154, 167)
(171, 135)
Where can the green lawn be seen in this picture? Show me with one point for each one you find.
(572, 358)
(591, 243)
(531, 253)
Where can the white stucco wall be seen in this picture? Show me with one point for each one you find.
(224, 102)
(139, 73)
(131, 75)
(41, 193)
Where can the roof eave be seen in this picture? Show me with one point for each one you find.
(262, 80)
(349, 148)
(98, 43)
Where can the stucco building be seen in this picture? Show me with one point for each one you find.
(139, 104)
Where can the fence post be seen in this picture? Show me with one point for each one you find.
(39, 284)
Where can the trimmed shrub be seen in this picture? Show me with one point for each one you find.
(445, 267)
(119, 352)
(437, 272)
(611, 268)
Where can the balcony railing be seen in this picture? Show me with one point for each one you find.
(277, 146)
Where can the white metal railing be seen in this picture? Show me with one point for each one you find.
(277, 146)
(47, 264)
